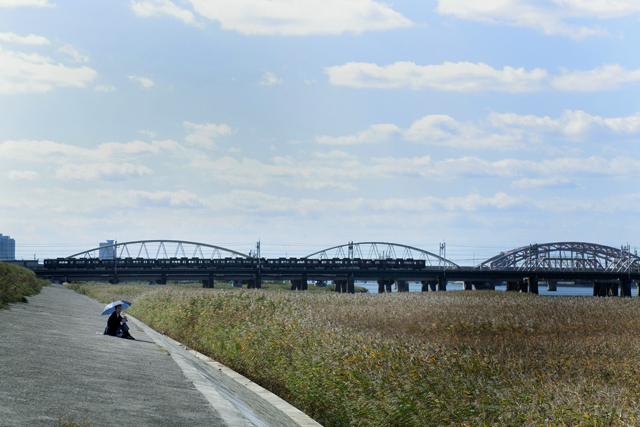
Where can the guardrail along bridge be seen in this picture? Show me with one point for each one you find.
(612, 271)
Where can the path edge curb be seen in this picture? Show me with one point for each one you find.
(293, 413)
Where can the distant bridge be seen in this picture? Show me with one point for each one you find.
(387, 263)
(565, 256)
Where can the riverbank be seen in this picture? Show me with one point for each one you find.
(415, 359)
(17, 283)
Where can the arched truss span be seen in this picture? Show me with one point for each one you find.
(382, 250)
(565, 256)
(159, 249)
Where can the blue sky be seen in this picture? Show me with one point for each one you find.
(306, 124)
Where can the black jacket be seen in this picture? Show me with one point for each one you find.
(114, 322)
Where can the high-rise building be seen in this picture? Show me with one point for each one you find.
(7, 247)
(106, 253)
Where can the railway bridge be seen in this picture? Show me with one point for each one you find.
(612, 271)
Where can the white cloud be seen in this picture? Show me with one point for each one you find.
(572, 124)
(255, 201)
(111, 161)
(174, 199)
(16, 3)
(530, 174)
(434, 130)
(333, 154)
(146, 82)
(28, 175)
(147, 8)
(445, 130)
(22, 73)
(104, 88)
(51, 152)
(148, 133)
(73, 52)
(459, 77)
(106, 171)
(375, 134)
(286, 171)
(502, 131)
(527, 183)
(552, 17)
(301, 17)
(269, 79)
(608, 77)
(30, 39)
(204, 135)
(469, 77)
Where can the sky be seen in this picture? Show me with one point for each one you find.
(311, 123)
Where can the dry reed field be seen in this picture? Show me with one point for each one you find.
(415, 359)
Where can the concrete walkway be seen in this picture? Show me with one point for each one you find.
(53, 363)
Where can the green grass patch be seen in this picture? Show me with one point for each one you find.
(17, 283)
(415, 359)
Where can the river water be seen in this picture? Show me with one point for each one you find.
(542, 289)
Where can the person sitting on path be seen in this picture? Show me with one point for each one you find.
(117, 325)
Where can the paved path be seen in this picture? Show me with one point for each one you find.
(53, 363)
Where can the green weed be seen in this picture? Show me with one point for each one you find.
(17, 283)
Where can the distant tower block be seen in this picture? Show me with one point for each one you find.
(106, 253)
(7, 248)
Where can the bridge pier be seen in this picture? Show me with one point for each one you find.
(208, 283)
(389, 286)
(341, 285)
(552, 286)
(483, 286)
(428, 285)
(625, 287)
(304, 283)
(608, 289)
(384, 285)
(512, 287)
(523, 286)
(351, 285)
(442, 283)
(467, 285)
(533, 285)
(402, 286)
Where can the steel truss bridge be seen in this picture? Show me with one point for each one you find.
(157, 261)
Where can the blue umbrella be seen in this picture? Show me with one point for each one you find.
(110, 308)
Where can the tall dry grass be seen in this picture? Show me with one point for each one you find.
(413, 359)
